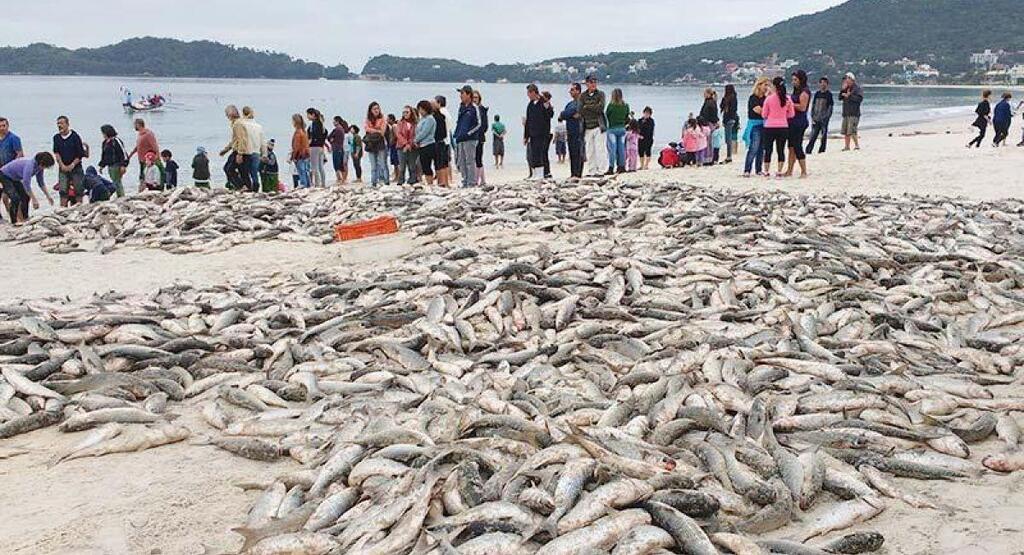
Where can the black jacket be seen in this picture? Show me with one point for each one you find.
(538, 120)
(113, 154)
(709, 111)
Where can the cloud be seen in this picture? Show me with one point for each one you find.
(351, 32)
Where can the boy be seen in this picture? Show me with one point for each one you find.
(201, 169)
(96, 187)
(269, 170)
(170, 170)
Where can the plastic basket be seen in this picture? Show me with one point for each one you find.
(384, 225)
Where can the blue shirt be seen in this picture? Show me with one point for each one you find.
(10, 146)
(568, 115)
(1003, 113)
(23, 169)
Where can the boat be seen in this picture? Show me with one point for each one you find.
(151, 104)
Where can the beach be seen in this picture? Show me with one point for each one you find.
(180, 499)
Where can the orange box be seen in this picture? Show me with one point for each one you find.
(385, 225)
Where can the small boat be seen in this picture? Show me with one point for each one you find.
(151, 104)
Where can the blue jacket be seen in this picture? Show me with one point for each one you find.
(568, 115)
(468, 126)
(425, 130)
(1003, 113)
(99, 189)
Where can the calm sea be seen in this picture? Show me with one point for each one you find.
(195, 117)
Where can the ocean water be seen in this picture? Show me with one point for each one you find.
(194, 115)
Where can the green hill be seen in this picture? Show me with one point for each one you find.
(864, 36)
(163, 58)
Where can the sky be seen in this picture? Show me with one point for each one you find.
(351, 32)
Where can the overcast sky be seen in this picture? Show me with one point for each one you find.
(351, 31)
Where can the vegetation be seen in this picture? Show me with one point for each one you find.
(163, 58)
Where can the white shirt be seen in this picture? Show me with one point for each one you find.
(256, 138)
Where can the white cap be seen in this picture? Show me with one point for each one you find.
(851, 76)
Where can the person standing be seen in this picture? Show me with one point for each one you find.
(984, 115)
(269, 170)
(574, 131)
(753, 135)
(338, 139)
(375, 130)
(617, 115)
(426, 147)
(467, 132)
(145, 143)
(852, 96)
(592, 114)
(730, 121)
(10, 144)
(405, 142)
(444, 131)
(821, 114)
(317, 134)
(201, 168)
(258, 143)
(777, 111)
(16, 181)
(709, 115)
(498, 149)
(646, 145)
(68, 151)
(389, 136)
(238, 151)
(1002, 116)
(113, 158)
(170, 177)
(356, 148)
(561, 142)
(537, 131)
(299, 154)
(798, 123)
(484, 112)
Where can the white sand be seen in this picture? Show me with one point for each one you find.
(174, 499)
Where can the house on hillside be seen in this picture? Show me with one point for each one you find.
(985, 59)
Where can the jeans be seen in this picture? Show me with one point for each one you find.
(731, 129)
(238, 174)
(408, 165)
(379, 167)
(1002, 132)
(755, 158)
(576, 155)
(465, 156)
(617, 148)
(318, 176)
(302, 167)
(816, 129)
(596, 155)
(254, 173)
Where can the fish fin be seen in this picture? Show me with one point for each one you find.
(250, 536)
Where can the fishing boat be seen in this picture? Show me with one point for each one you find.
(151, 104)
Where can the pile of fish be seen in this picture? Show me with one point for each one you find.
(670, 370)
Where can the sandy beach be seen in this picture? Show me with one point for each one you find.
(181, 499)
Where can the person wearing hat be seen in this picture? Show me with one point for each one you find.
(594, 123)
(467, 132)
(851, 95)
(201, 168)
(151, 178)
(269, 170)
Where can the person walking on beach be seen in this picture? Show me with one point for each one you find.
(238, 151)
(821, 114)
(1002, 116)
(145, 143)
(709, 116)
(798, 124)
(852, 96)
(16, 183)
(375, 130)
(317, 134)
(537, 131)
(338, 138)
(753, 135)
(574, 131)
(646, 128)
(617, 115)
(258, 142)
(484, 113)
(592, 115)
(299, 154)
(498, 131)
(984, 116)
(405, 142)
(730, 121)
(777, 111)
(68, 151)
(113, 158)
(467, 132)
(424, 141)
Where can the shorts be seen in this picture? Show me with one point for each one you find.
(850, 125)
(645, 148)
(560, 148)
(73, 178)
(442, 158)
(339, 160)
(427, 155)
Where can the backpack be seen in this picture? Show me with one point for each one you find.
(669, 158)
(373, 142)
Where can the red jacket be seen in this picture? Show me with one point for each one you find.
(405, 134)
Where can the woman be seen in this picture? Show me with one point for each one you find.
(709, 114)
(646, 144)
(777, 111)
(375, 130)
(753, 135)
(984, 111)
(405, 142)
(16, 183)
(300, 151)
(1002, 117)
(617, 114)
(317, 134)
(389, 136)
(498, 129)
(442, 159)
(798, 124)
(481, 137)
(426, 149)
(337, 140)
(730, 120)
(113, 157)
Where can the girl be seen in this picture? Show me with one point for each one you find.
(692, 136)
(798, 124)
(730, 120)
(754, 133)
(499, 131)
(478, 100)
(356, 148)
(300, 151)
(113, 157)
(151, 173)
(426, 146)
(375, 130)
(337, 140)
(984, 111)
(646, 128)
(617, 115)
(317, 136)
(633, 147)
(405, 141)
(777, 111)
(704, 142)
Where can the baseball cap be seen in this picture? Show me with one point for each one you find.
(591, 79)
(468, 89)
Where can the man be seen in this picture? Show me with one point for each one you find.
(238, 163)
(852, 96)
(68, 151)
(574, 131)
(467, 132)
(591, 109)
(537, 131)
(258, 143)
(10, 149)
(821, 113)
(16, 181)
(1002, 117)
(145, 144)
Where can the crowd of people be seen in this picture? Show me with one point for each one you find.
(999, 118)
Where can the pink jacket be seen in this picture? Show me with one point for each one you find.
(691, 140)
(775, 115)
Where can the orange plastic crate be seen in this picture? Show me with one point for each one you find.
(384, 225)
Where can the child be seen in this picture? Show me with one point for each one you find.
(201, 169)
(170, 170)
(704, 154)
(269, 170)
(151, 179)
(692, 137)
(357, 153)
(561, 142)
(96, 187)
(633, 146)
(717, 137)
(669, 157)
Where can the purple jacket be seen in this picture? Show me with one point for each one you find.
(22, 170)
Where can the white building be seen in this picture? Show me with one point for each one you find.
(985, 59)
(1017, 74)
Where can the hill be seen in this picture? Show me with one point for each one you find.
(163, 58)
(881, 40)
